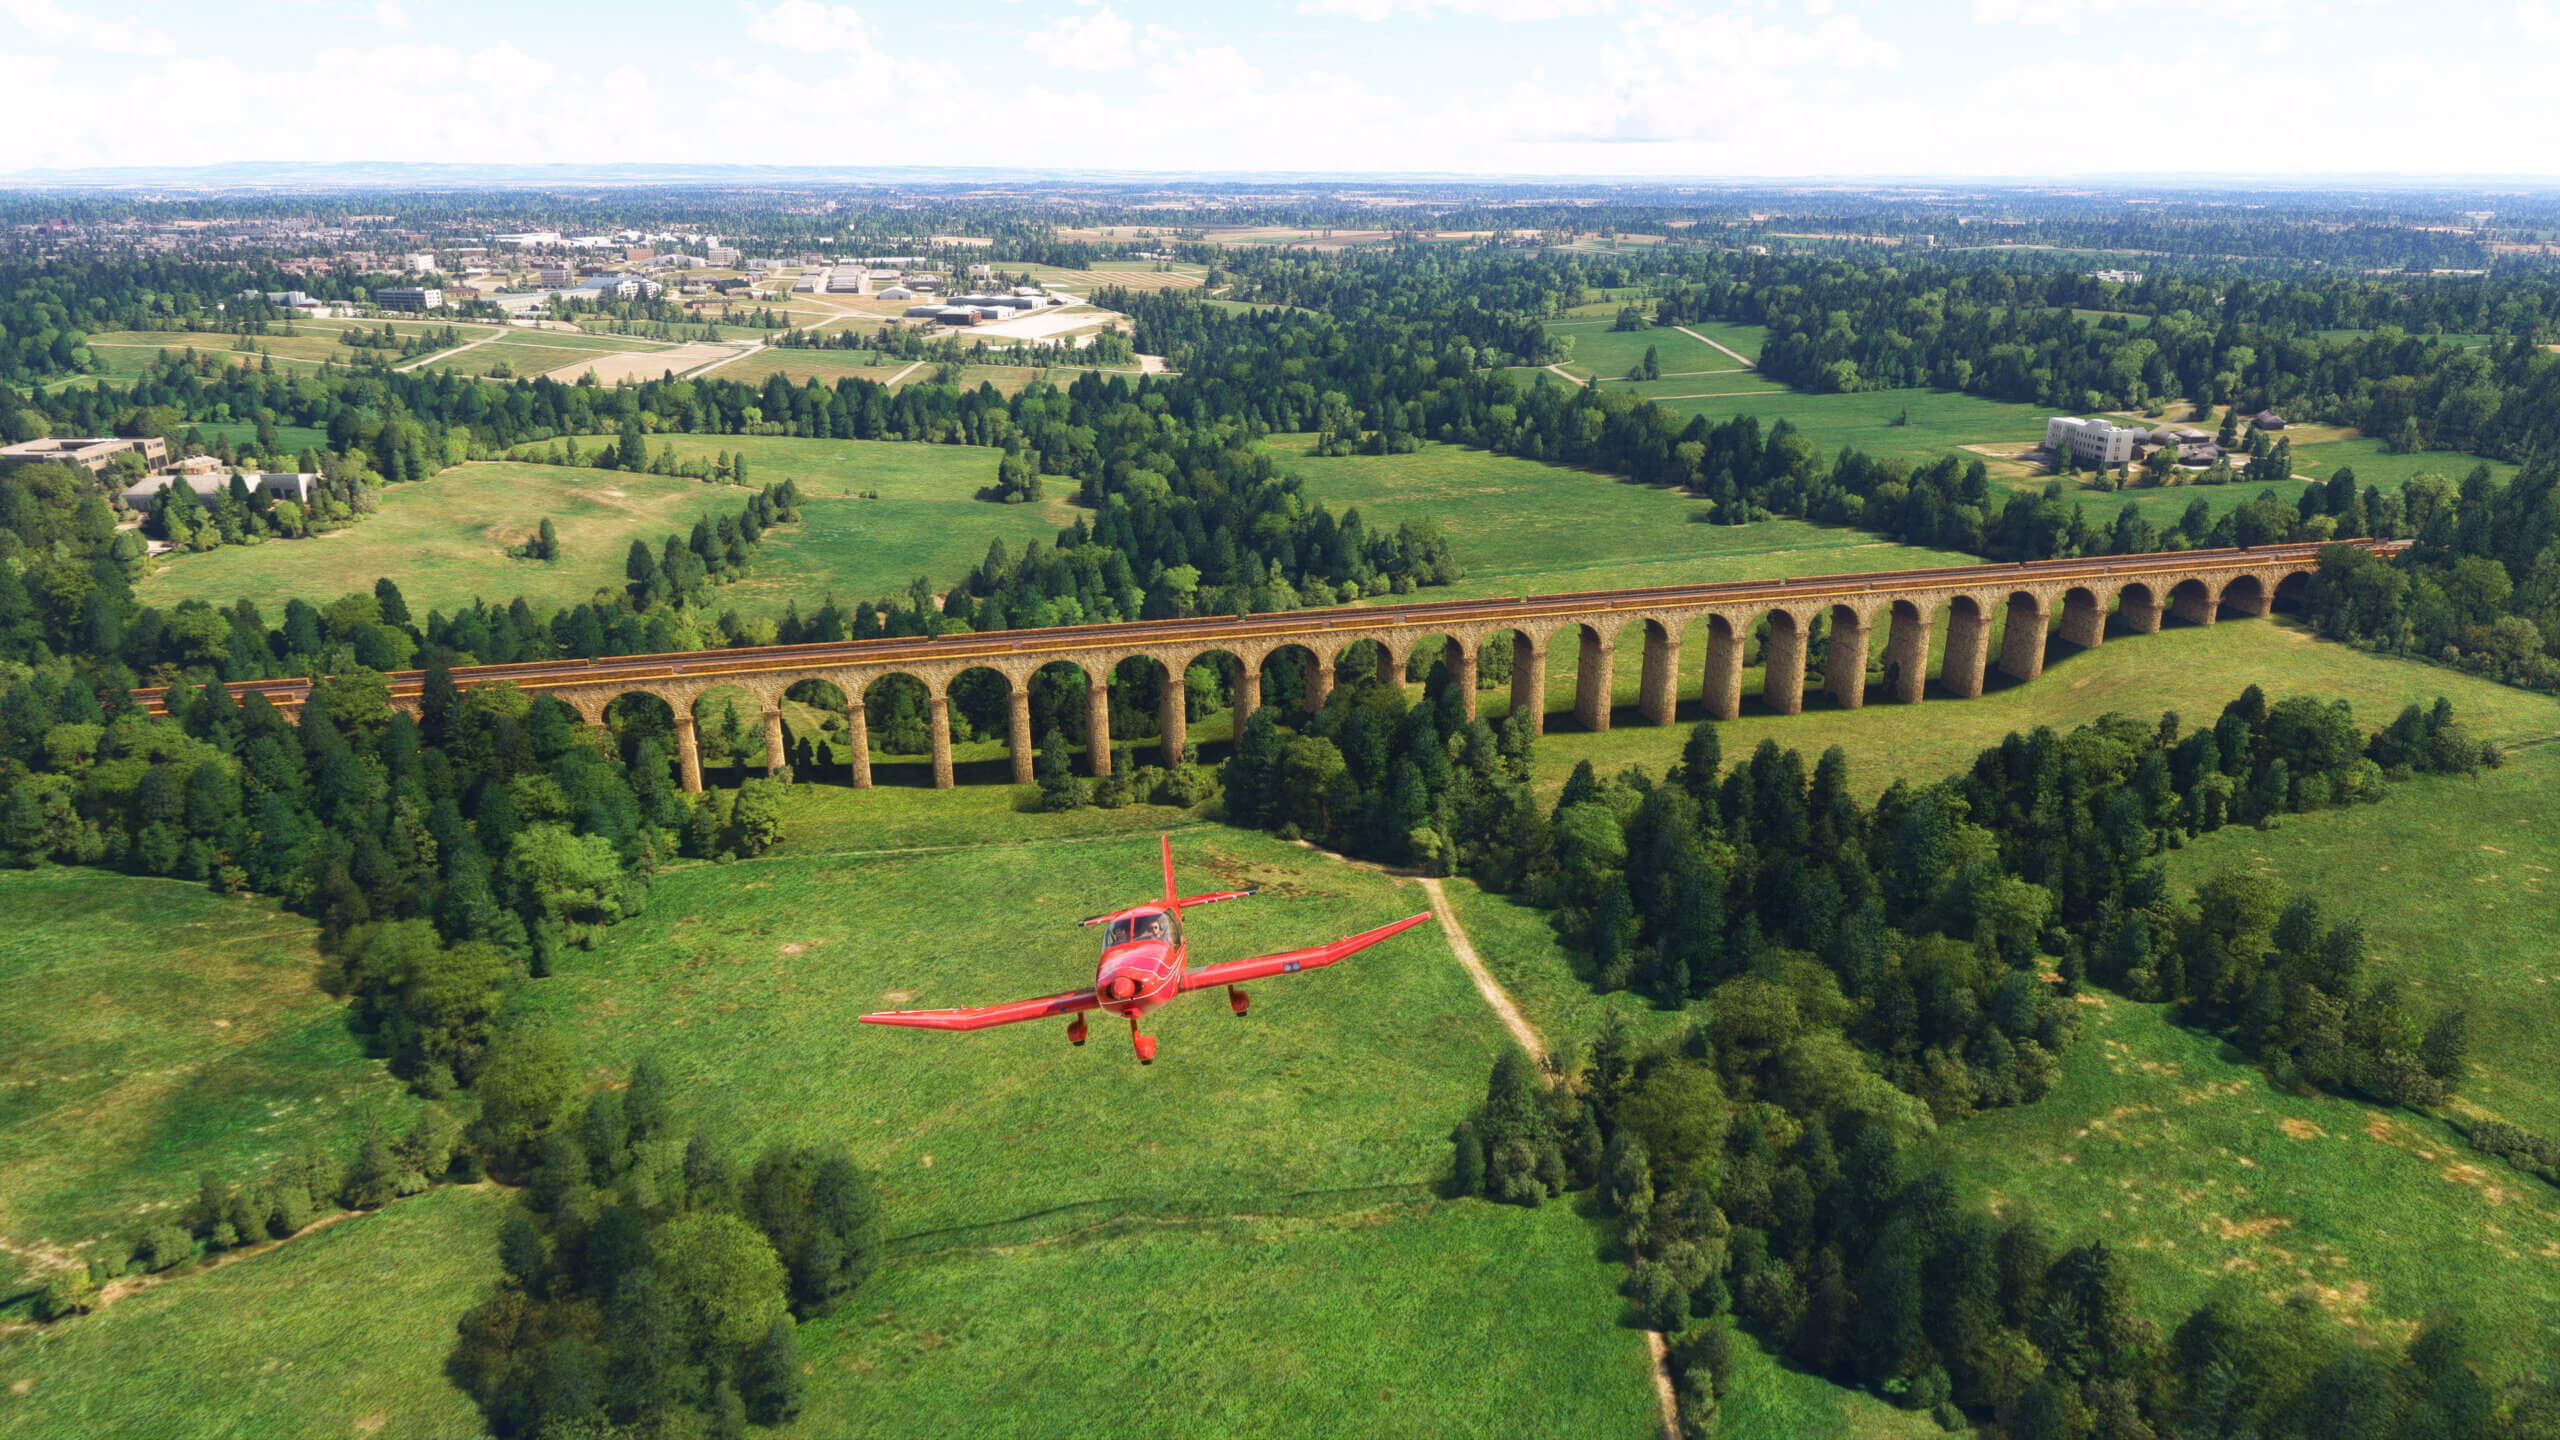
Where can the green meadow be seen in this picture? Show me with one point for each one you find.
(341, 1331)
(154, 1032)
(927, 520)
(1524, 527)
(445, 540)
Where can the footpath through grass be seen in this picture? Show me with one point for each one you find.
(155, 1031)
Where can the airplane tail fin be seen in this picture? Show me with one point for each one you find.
(1172, 897)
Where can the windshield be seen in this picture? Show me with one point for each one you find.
(1134, 927)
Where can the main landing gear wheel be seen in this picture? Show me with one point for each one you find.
(1075, 1031)
(1145, 1044)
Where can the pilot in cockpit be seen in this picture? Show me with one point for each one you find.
(1147, 926)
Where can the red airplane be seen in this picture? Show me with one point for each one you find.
(1142, 967)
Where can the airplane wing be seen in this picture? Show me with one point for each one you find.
(983, 1016)
(1289, 962)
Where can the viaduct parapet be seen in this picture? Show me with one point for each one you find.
(1899, 609)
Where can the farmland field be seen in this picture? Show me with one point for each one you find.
(802, 366)
(445, 541)
(156, 1031)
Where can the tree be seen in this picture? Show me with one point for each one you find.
(631, 453)
(722, 1275)
(530, 1075)
(755, 822)
(1059, 788)
(772, 1385)
(818, 1212)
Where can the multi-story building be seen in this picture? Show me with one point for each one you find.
(90, 453)
(409, 297)
(2099, 444)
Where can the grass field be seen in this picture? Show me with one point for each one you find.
(1522, 527)
(1413, 1319)
(445, 541)
(1606, 354)
(340, 1332)
(927, 520)
(2458, 883)
(2159, 1143)
(1939, 419)
(1038, 1190)
(155, 1031)
(802, 366)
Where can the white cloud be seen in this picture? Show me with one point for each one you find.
(807, 25)
(2070, 15)
(390, 15)
(1099, 41)
(48, 22)
(1504, 10)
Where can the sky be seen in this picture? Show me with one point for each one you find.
(1595, 88)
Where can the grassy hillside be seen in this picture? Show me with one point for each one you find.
(1523, 527)
(155, 1031)
(445, 541)
(927, 520)
(341, 1332)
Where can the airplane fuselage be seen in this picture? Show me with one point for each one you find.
(1136, 976)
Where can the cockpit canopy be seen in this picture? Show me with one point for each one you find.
(1144, 925)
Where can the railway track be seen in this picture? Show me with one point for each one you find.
(1347, 621)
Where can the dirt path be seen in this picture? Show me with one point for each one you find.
(903, 374)
(1522, 1031)
(1558, 369)
(1729, 350)
(448, 354)
(1486, 986)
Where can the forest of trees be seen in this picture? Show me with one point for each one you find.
(1872, 971)
(2481, 589)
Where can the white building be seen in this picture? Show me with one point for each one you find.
(212, 485)
(418, 263)
(617, 287)
(725, 255)
(2118, 277)
(528, 239)
(2098, 444)
(409, 297)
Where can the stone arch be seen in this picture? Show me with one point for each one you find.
(1059, 697)
(898, 722)
(2138, 609)
(2085, 616)
(636, 717)
(816, 726)
(1658, 681)
(1146, 691)
(1367, 657)
(977, 722)
(2293, 591)
(2193, 601)
(1905, 672)
(1293, 673)
(728, 719)
(1968, 645)
(2242, 595)
(2026, 619)
(1219, 678)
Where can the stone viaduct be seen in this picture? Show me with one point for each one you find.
(1899, 609)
